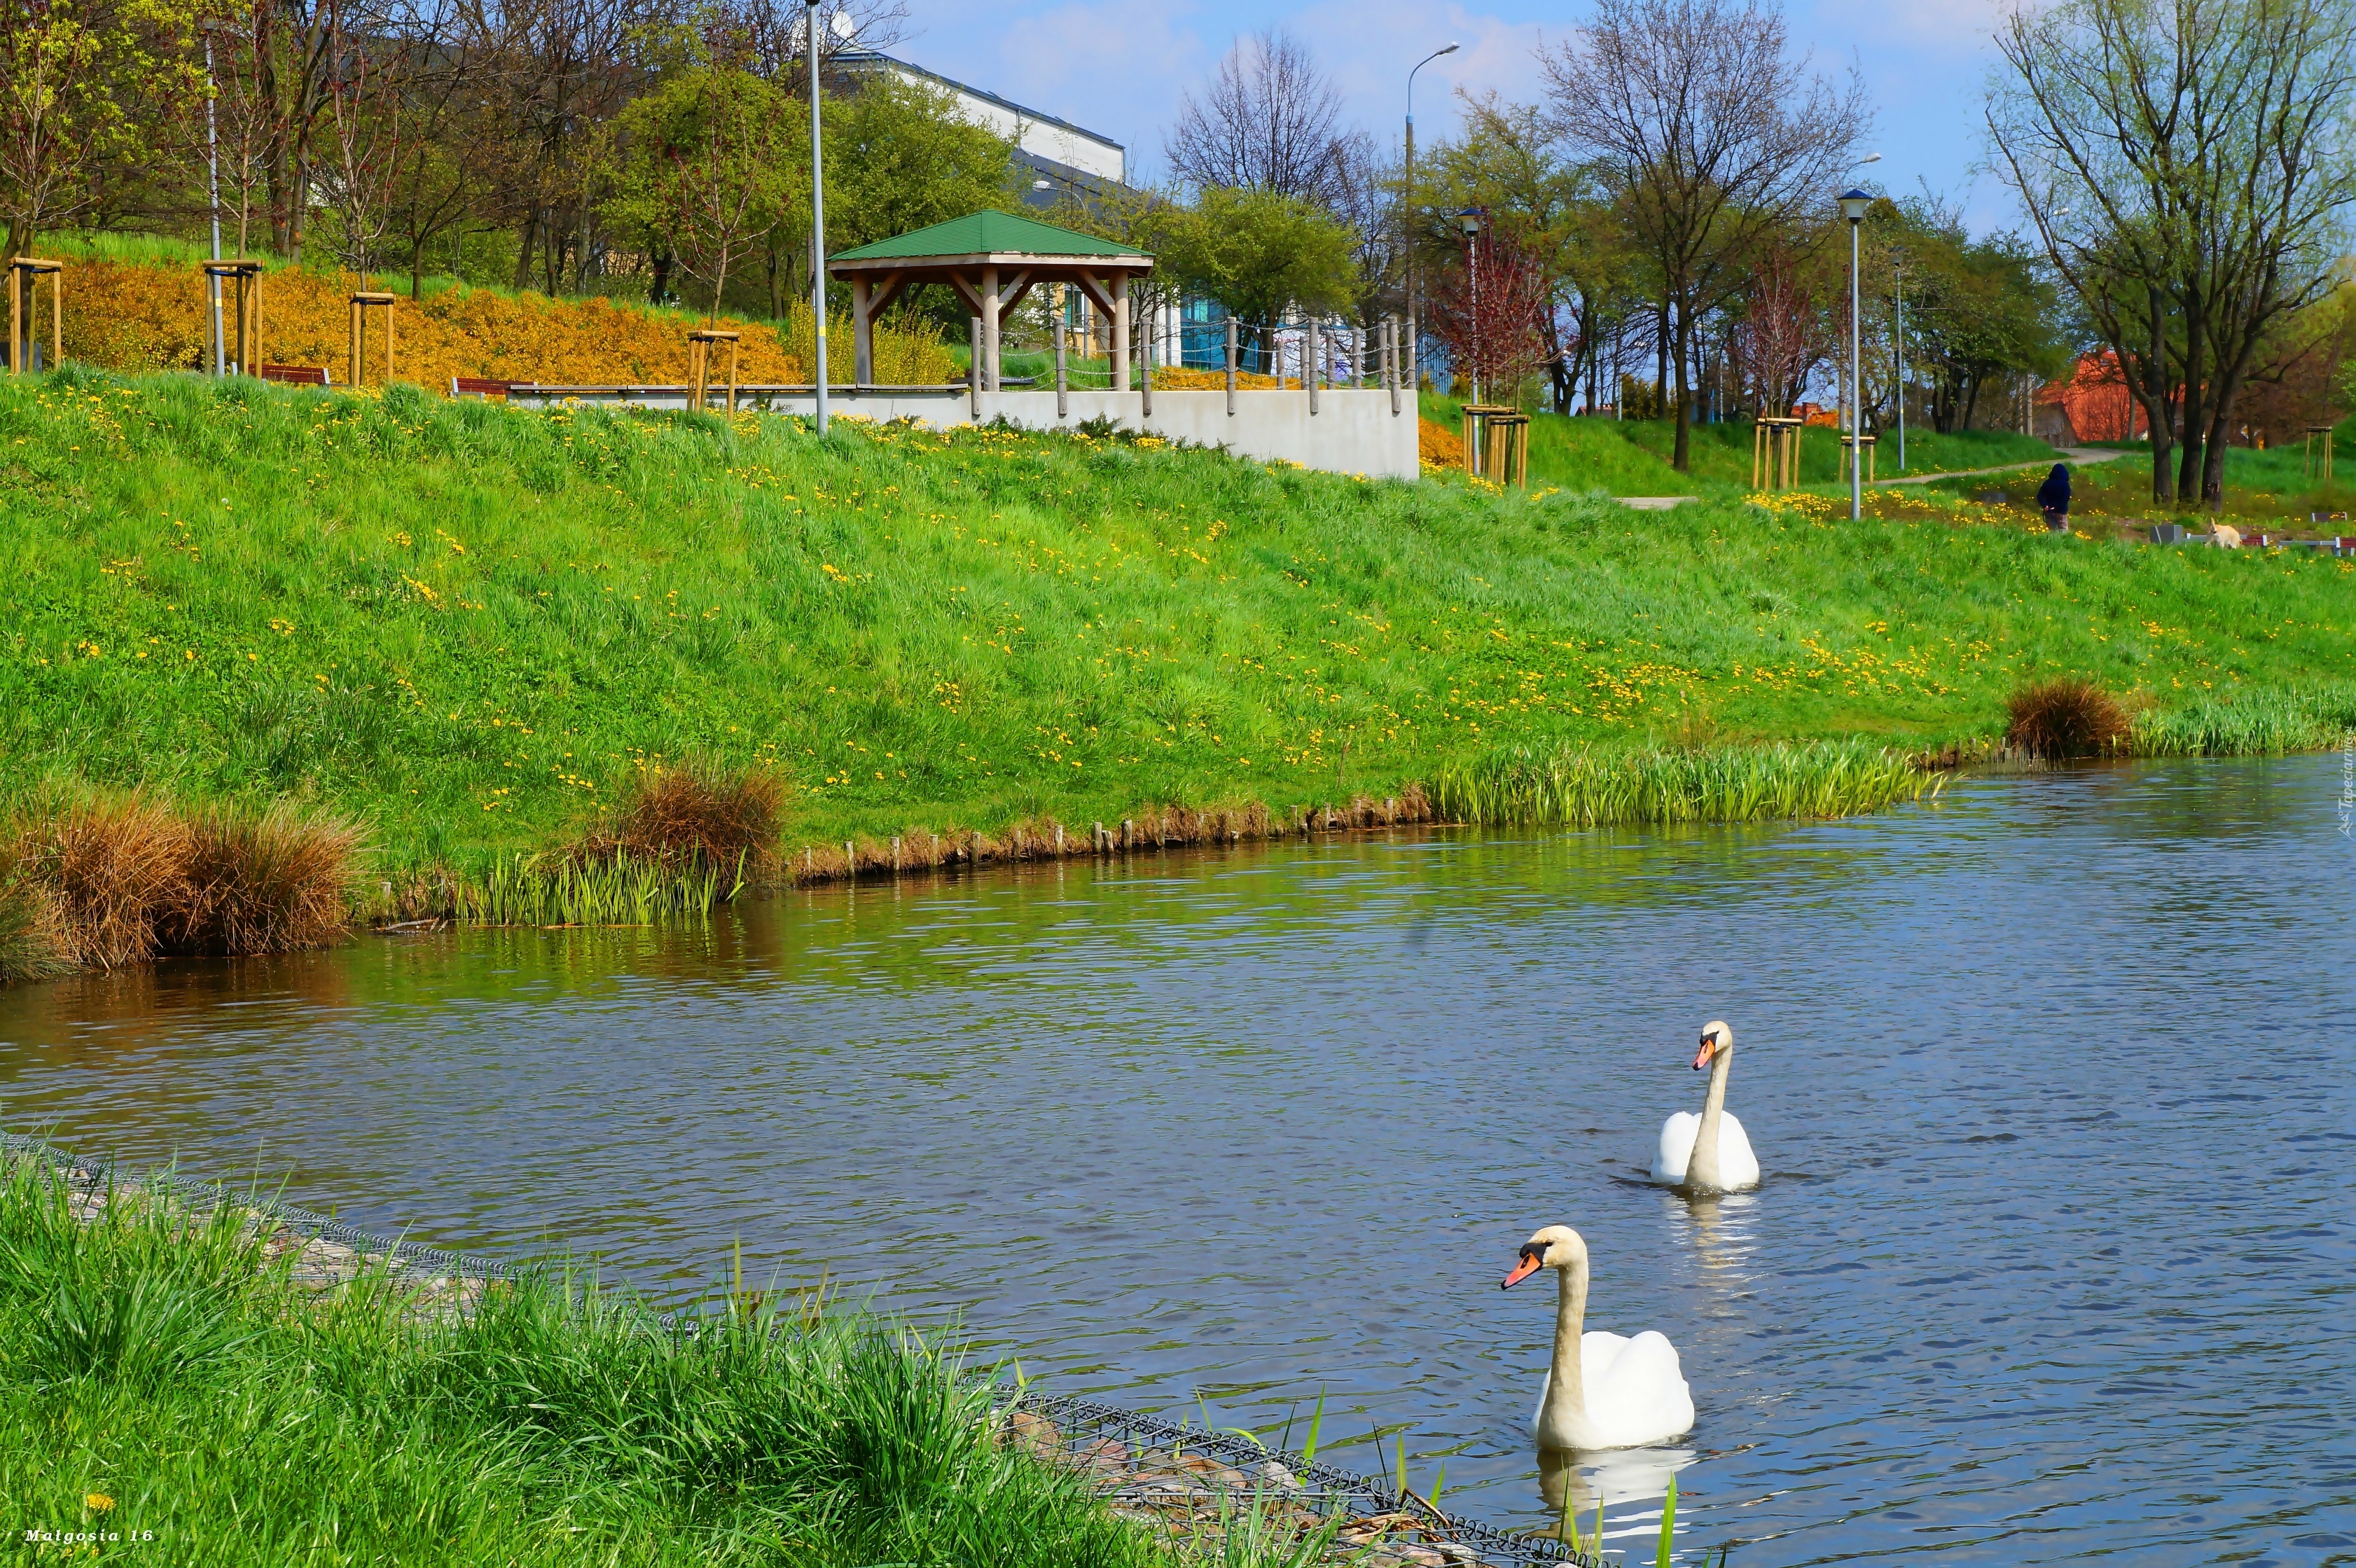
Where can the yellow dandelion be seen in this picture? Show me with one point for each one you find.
(98, 1502)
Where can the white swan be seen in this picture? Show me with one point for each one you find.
(1710, 1153)
(1601, 1392)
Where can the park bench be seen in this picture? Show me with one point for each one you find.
(297, 375)
(479, 388)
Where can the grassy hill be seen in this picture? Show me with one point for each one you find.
(469, 626)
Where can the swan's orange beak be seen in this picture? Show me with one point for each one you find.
(1702, 1056)
(1522, 1270)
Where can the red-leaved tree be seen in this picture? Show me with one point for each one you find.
(1490, 311)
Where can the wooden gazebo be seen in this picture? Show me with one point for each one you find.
(992, 259)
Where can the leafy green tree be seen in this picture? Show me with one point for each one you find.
(1553, 211)
(1254, 252)
(702, 165)
(898, 157)
(86, 86)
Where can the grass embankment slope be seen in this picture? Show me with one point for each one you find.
(469, 626)
(1631, 457)
(168, 1389)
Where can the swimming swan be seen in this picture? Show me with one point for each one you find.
(1602, 1391)
(1708, 1153)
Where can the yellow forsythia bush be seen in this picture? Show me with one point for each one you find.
(1437, 445)
(1185, 378)
(151, 317)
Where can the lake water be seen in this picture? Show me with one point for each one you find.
(2052, 1082)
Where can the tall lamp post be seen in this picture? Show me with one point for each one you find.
(1853, 203)
(1470, 221)
(818, 219)
(1407, 209)
(212, 188)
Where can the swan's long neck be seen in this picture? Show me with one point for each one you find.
(1701, 1169)
(1566, 1395)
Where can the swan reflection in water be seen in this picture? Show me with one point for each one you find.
(1719, 1226)
(1610, 1480)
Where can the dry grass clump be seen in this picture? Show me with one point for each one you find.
(269, 881)
(693, 813)
(103, 882)
(111, 866)
(2066, 716)
(32, 936)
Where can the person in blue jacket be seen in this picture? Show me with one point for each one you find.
(2054, 496)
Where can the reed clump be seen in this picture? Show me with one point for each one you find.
(101, 882)
(686, 837)
(1581, 785)
(2066, 716)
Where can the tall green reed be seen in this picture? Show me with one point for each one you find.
(2263, 721)
(621, 888)
(1584, 786)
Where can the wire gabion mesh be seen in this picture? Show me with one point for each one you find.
(1196, 1481)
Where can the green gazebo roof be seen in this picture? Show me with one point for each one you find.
(987, 233)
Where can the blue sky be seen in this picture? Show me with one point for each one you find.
(1118, 67)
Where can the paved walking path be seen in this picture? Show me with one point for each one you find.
(2082, 455)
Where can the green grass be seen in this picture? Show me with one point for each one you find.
(154, 1361)
(1631, 457)
(468, 625)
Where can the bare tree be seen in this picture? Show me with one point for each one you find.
(370, 132)
(2189, 170)
(1781, 339)
(1716, 137)
(1270, 120)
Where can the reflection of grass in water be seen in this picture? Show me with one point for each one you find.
(163, 1376)
(1583, 785)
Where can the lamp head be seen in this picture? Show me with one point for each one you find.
(1450, 49)
(1469, 220)
(1853, 203)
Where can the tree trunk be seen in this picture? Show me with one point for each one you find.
(524, 244)
(2155, 396)
(1681, 455)
(1661, 358)
(2195, 402)
(1971, 400)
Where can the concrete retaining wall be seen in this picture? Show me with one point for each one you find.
(1352, 432)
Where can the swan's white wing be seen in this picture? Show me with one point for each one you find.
(1675, 1148)
(1737, 1166)
(1636, 1390)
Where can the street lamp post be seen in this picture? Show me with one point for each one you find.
(1853, 203)
(1407, 208)
(818, 220)
(212, 191)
